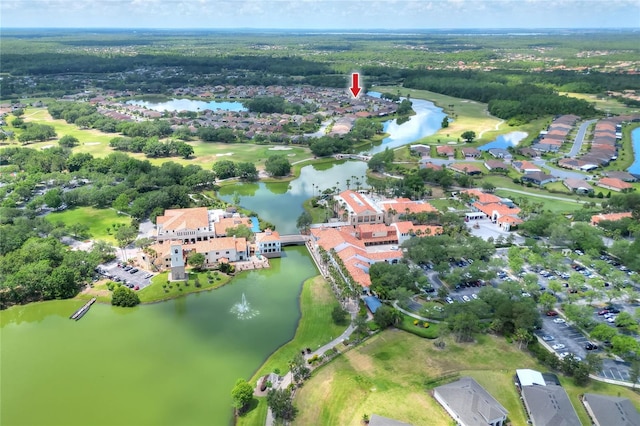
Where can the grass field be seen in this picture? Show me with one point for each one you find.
(314, 329)
(604, 104)
(556, 206)
(469, 115)
(156, 292)
(98, 220)
(443, 205)
(388, 376)
(205, 154)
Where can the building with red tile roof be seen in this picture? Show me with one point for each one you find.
(596, 219)
(446, 150)
(188, 225)
(614, 184)
(406, 230)
(214, 249)
(268, 243)
(220, 227)
(357, 208)
(467, 169)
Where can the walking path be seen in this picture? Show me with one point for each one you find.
(550, 197)
(497, 127)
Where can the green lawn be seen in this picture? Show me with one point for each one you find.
(98, 221)
(626, 156)
(552, 205)
(408, 324)
(161, 290)
(390, 375)
(205, 154)
(557, 186)
(604, 104)
(443, 205)
(314, 329)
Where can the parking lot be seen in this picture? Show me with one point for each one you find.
(112, 271)
(573, 340)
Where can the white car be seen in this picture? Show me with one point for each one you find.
(449, 300)
(611, 319)
(559, 321)
(564, 354)
(474, 296)
(558, 346)
(466, 298)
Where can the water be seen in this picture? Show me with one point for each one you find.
(426, 121)
(635, 141)
(171, 363)
(281, 203)
(243, 310)
(188, 105)
(504, 141)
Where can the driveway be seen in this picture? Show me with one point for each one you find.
(488, 229)
(577, 143)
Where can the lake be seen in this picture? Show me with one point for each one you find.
(281, 203)
(426, 121)
(188, 105)
(170, 363)
(504, 141)
(635, 141)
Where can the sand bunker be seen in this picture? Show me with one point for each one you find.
(280, 148)
(225, 154)
(92, 143)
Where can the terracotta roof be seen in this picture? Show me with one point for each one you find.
(405, 226)
(225, 223)
(611, 216)
(217, 244)
(412, 206)
(465, 168)
(373, 227)
(175, 219)
(268, 235)
(495, 164)
(614, 183)
(357, 202)
(481, 197)
(509, 219)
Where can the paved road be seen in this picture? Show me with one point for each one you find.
(577, 143)
(550, 197)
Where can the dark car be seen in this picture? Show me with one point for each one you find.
(552, 313)
(590, 346)
(134, 270)
(126, 268)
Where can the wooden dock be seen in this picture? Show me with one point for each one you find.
(83, 310)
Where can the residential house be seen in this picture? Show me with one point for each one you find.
(189, 225)
(423, 150)
(613, 217)
(579, 186)
(614, 184)
(445, 151)
(606, 410)
(546, 402)
(430, 165)
(501, 212)
(528, 152)
(469, 404)
(501, 153)
(496, 165)
(268, 243)
(467, 169)
(538, 178)
(623, 176)
(471, 152)
(525, 167)
(357, 208)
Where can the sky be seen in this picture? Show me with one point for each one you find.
(320, 14)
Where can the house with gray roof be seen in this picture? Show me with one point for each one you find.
(610, 410)
(470, 404)
(549, 406)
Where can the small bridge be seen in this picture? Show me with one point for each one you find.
(293, 240)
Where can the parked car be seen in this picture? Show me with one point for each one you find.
(612, 319)
(134, 270)
(127, 268)
(552, 313)
(474, 296)
(136, 288)
(558, 346)
(590, 346)
(559, 321)
(466, 298)
(449, 300)
(603, 312)
(547, 338)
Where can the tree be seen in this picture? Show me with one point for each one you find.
(125, 235)
(299, 368)
(240, 231)
(242, 395)
(224, 169)
(488, 187)
(196, 260)
(303, 222)
(445, 122)
(78, 230)
(53, 198)
(68, 141)
(626, 321)
(277, 165)
(339, 315)
(547, 301)
(247, 171)
(121, 203)
(468, 136)
(405, 107)
(125, 297)
(279, 400)
(386, 316)
(463, 325)
(184, 150)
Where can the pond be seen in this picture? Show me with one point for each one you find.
(188, 105)
(635, 142)
(169, 363)
(281, 203)
(504, 141)
(426, 121)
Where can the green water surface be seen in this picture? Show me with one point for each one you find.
(171, 363)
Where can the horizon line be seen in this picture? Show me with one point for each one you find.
(321, 29)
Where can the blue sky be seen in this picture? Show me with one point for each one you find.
(321, 14)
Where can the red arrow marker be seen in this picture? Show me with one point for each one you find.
(355, 87)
